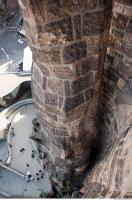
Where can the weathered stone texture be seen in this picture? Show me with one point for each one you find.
(74, 52)
(64, 38)
(77, 30)
(93, 23)
(49, 55)
(111, 177)
(75, 66)
(73, 102)
(57, 32)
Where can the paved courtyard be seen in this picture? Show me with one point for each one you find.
(22, 161)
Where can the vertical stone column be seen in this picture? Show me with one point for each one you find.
(116, 89)
(64, 38)
(111, 177)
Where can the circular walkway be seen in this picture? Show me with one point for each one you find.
(23, 162)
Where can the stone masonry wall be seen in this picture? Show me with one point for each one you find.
(64, 36)
(111, 177)
(82, 86)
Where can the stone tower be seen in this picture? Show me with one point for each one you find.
(82, 86)
(65, 40)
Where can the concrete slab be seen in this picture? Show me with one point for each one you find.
(11, 184)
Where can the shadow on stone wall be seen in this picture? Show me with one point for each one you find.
(111, 176)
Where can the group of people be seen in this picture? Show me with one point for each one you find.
(39, 175)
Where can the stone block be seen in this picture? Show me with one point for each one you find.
(49, 55)
(52, 116)
(53, 10)
(67, 88)
(125, 47)
(40, 92)
(37, 99)
(81, 67)
(51, 99)
(75, 114)
(125, 68)
(79, 85)
(90, 63)
(74, 52)
(117, 34)
(124, 95)
(55, 110)
(70, 6)
(93, 23)
(45, 69)
(64, 72)
(47, 126)
(57, 32)
(72, 102)
(119, 21)
(55, 86)
(93, 46)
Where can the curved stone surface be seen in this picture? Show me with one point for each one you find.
(112, 175)
(64, 37)
(81, 84)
